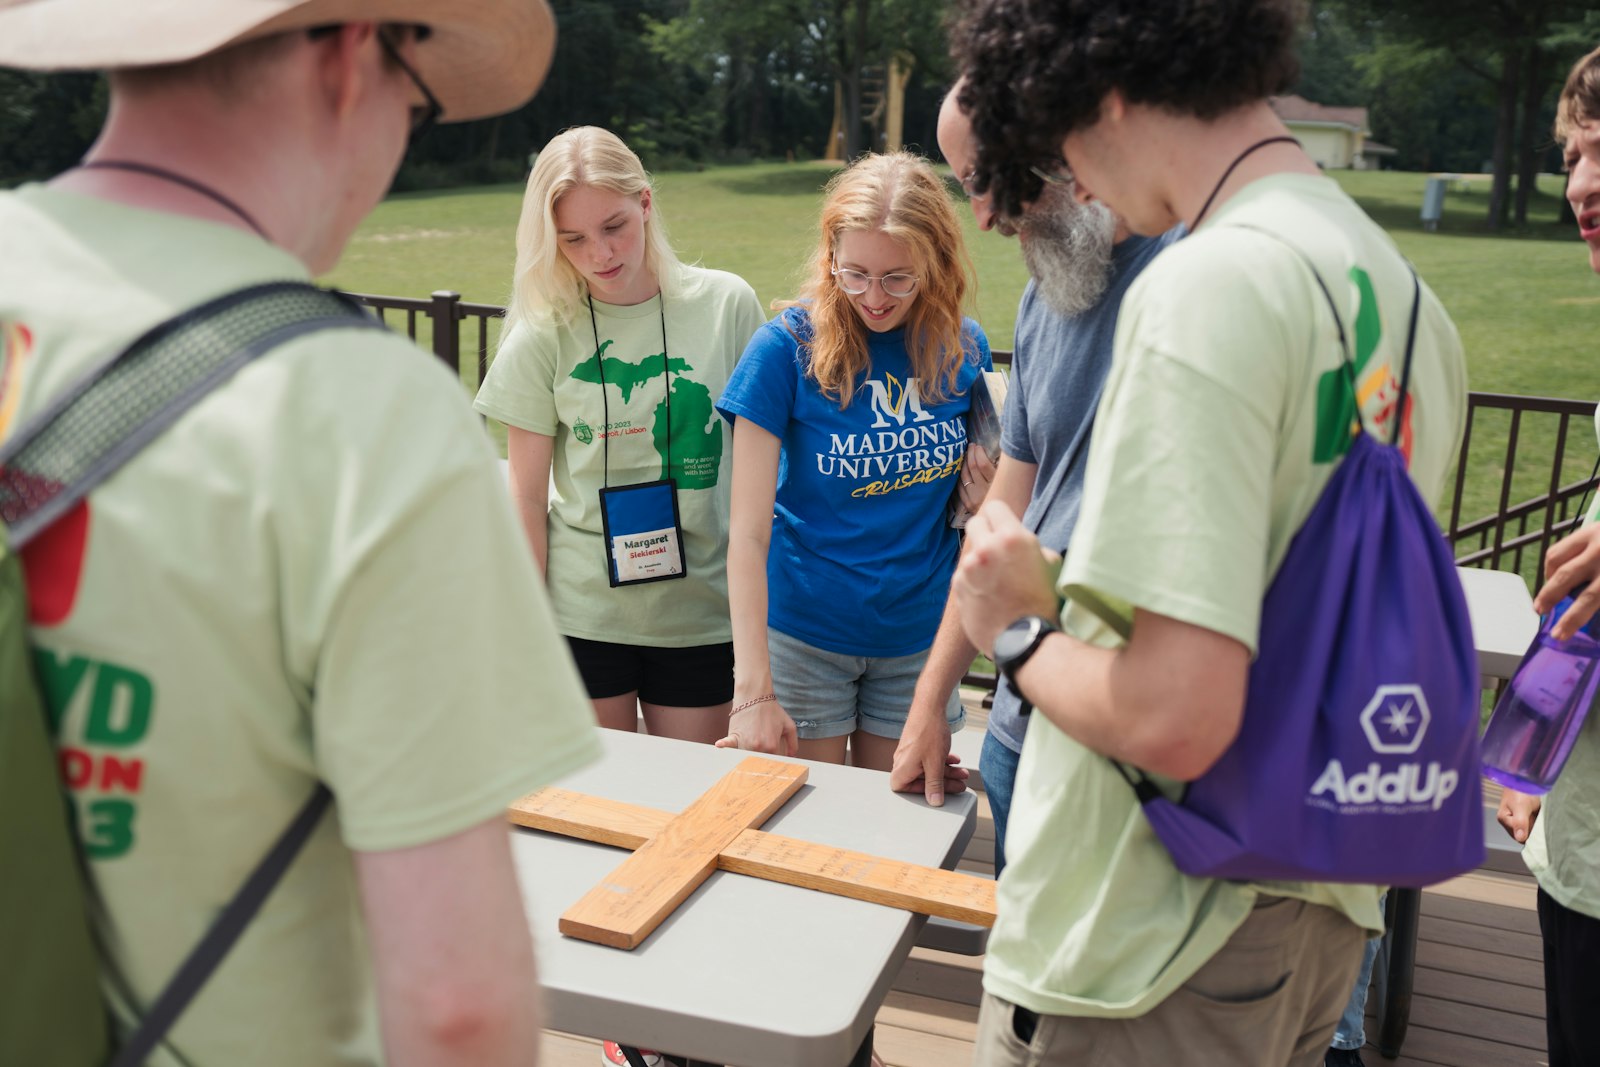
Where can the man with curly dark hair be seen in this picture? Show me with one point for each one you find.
(1228, 406)
(1042, 69)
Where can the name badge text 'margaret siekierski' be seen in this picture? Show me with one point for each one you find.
(644, 536)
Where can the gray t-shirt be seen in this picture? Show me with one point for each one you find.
(1057, 370)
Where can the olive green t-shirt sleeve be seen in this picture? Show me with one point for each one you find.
(519, 388)
(1176, 516)
(748, 318)
(440, 687)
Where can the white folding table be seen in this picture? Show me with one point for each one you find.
(745, 972)
(1503, 621)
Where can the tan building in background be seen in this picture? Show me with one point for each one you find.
(1336, 137)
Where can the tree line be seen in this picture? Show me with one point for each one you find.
(1460, 85)
(1454, 85)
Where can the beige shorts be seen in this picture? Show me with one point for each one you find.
(1270, 997)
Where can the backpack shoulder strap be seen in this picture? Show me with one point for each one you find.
(1344, 343)
(105, 418)
(1142, 786)
(203, 959)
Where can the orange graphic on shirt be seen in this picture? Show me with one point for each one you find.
(16, 348)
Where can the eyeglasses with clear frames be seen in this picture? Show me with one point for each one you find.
(1062, 175)
(855, 282)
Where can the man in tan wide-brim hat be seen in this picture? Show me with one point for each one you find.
(314, 574)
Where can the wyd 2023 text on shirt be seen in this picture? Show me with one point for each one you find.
(546, 379)
(862, 550)
(314, 574)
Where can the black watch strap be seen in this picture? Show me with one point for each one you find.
(1016, 645)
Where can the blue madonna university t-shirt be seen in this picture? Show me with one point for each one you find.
(862, 550)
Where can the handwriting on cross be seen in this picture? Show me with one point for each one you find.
(674, 854)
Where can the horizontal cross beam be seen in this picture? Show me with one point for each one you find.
(637, 897)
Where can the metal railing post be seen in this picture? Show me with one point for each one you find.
(446, 313)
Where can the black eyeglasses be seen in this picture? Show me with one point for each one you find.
(423, 116)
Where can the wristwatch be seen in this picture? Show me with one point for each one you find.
(1016, 644)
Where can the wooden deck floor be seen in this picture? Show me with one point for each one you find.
(1478, 997)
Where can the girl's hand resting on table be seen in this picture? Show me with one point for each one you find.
(762, 727)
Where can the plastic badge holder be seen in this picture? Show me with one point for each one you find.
(1538, 717)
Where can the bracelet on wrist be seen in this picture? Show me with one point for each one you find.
(752, 703)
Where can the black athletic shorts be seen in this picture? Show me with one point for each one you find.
(699, 676)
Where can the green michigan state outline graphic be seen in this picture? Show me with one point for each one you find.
(696, 432)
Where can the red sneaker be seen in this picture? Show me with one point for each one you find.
(611, 1054)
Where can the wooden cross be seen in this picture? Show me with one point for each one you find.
(674, 854)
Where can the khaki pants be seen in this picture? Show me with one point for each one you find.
(1270, 997)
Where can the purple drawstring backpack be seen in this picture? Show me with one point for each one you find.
(1357, 758)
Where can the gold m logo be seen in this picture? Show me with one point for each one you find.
(890, 400)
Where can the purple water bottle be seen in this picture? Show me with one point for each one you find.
(1538, 716)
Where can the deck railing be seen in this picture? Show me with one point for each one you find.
(445, 307)
(1534, 500)
(1561, 473)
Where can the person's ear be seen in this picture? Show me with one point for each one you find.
(342, 70)
(1114, 106)
(644, 202)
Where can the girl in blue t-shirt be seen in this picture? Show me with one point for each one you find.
(849, 443)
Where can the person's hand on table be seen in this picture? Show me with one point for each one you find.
(1003, 575)
(1518, 812)
(1571, 563)
(923, 762)
(976, 474)
(762, 727)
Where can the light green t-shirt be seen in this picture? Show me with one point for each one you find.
(546, 379)
(1563, 848)
(314, 574)
(1214, 438)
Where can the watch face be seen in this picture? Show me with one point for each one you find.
(1016, 639)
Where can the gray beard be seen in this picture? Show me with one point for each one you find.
(1067, 248)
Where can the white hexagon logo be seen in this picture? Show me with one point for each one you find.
(1396, 719)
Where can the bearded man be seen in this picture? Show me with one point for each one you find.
(1081, 260)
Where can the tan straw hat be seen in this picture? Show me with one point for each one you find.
(482, 57)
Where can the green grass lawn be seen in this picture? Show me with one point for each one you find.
(757, 221)
(1526, 303)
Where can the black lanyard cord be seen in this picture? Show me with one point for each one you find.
(150, 170)
(1238, 159)
(605, 401)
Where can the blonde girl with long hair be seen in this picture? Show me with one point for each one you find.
(849, 439)
(613, 356)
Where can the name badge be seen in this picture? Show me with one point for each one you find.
(643, 535)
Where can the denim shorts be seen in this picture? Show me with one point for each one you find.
(829, 694)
